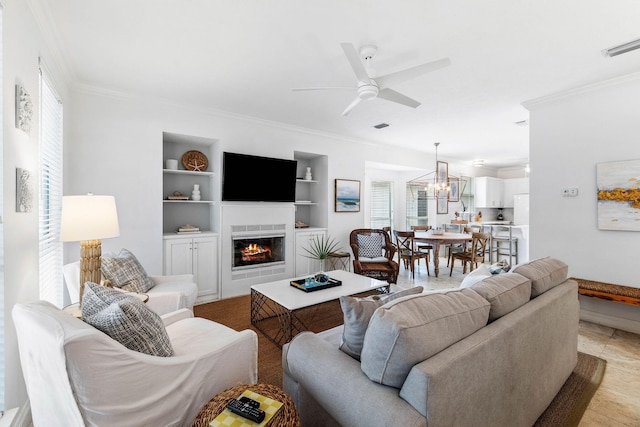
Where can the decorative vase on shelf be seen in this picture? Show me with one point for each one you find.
(195, 194)
(307, 176)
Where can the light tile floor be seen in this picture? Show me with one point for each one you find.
(617, 401)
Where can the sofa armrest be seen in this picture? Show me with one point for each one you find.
(337, 384)
(176, 316)
(173, 278)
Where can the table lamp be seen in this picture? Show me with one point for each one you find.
(88, 219)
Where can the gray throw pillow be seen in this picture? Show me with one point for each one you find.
(369, 245)
(127, 320)
(97, 298)
(357, 313)
(124, 271)
(505, 292)
(544, 273)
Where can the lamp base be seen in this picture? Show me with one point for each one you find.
(90, 254)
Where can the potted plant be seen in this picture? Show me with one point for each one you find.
(321, 247)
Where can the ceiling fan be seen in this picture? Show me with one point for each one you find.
(368, 88)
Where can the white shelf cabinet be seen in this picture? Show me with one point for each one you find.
(304, 237)
(312, 195)
(197, 256)
(488, 192)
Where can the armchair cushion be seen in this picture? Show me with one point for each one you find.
(124, 271)
(125, 319)
(370, 245)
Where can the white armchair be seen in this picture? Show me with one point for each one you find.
(76, 375)
(170, 293)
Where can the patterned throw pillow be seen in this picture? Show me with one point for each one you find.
(126, 320)
(369, 245)
(97, 297)
(124, 271)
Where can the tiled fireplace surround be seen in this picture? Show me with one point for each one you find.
(259, 219)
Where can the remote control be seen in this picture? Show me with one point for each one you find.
(245, 410)
(250, 402)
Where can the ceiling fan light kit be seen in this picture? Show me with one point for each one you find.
(369, 89)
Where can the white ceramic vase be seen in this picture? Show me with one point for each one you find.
(195, 194)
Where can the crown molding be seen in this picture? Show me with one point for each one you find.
(559, 96)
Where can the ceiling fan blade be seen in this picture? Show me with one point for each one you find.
(351, 106)
(300, 89)
(393, 96)
(356, 62)
(411, 73)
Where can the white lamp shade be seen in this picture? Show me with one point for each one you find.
(88, 218)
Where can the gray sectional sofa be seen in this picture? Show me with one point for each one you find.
(493, 354)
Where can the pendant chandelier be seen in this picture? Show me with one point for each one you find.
(437, 184)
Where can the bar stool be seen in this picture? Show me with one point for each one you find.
(503, 243)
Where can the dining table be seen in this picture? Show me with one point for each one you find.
(435, 240)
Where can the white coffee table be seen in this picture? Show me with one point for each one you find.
(282, 301)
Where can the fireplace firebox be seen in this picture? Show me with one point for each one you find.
(257, 251)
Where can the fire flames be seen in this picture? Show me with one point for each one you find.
(254, 252)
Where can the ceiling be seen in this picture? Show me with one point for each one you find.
(244, 57)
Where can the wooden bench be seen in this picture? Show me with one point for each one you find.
(608, 291)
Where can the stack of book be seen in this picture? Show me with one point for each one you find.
(188, 229)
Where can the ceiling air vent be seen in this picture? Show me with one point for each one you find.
(381, 125)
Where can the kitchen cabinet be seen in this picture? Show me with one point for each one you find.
(197, 255)
(304, 238)
(489, 192)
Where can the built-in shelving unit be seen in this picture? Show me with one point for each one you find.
(312, 194)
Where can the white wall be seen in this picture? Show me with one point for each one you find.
(22, 45)
(570, 134)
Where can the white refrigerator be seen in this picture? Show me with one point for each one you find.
(521, 209)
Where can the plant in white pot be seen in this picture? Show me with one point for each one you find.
(321, 247)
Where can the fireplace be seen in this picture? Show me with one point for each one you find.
(257, 251)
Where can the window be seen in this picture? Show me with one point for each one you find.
(381, 204)
(416, 205)
(51, 276)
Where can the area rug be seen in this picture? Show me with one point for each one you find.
(566, 410)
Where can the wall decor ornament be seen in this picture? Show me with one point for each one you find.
(24, 110)
(619, 195)
(24, 190)
(347, 195)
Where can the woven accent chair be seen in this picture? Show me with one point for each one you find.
(409, 252)
(474, 255)
(373, 254)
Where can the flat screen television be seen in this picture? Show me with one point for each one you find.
(247, 178)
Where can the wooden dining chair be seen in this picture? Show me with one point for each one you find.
(420, 245)
(408, 253)
(474, 255)
(461, 247)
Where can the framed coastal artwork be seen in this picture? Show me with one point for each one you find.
(347, 195)
(443, 202)
(619, 195)
(443, 171)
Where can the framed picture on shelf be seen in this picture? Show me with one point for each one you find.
(454, 189)
(443, 203)
(443, 171)
(347, 195)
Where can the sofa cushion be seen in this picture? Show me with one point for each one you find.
(475, 276)
(357, 313)
(505, 292)
(369, 245)
(124, 271)
(544, 273)
(409, 330)
(126, 320)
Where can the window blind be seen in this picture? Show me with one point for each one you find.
(50, 194)
(2, 313)
(381, 204)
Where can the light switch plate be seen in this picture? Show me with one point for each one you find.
(569, 191)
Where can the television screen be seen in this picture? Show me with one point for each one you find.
(248, 178)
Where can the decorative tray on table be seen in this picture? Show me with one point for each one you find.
(313, 285)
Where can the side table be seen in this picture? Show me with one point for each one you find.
(339, 261)
(287, 416)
